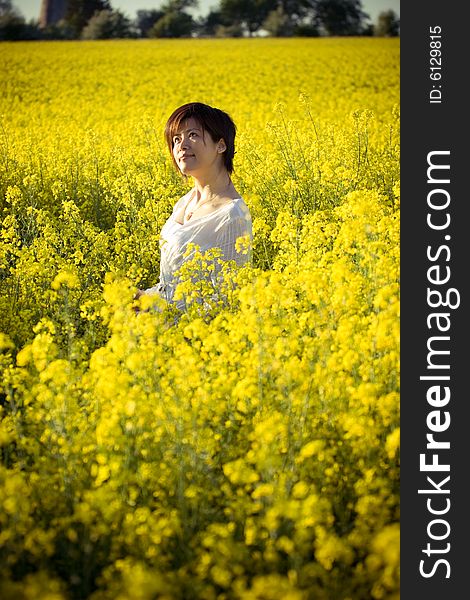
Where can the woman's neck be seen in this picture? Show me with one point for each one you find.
(213, 187)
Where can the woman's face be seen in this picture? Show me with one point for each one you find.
(194, 151)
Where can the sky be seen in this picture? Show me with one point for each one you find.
(30, 8)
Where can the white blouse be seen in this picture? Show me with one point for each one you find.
(218, 229)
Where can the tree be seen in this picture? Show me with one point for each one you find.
(146, 19)
(292, 17)
(58, 31)
(340, 17)
(178, 6)
(6, 7)
(235, 30)
(209, 24)
(173, 25)
(299, 11)
(107, 24)
(248, 13)
(12, 26)
(12, 23)
(388, 24)
(79, 12)
(278, 23)
(175, 22)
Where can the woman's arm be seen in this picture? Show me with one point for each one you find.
(227, 236)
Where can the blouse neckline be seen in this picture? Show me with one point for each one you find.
(194, 219)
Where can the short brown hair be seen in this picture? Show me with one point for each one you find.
(213, 120)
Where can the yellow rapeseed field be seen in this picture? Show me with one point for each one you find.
(249, 450)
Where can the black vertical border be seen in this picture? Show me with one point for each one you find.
(429, 127)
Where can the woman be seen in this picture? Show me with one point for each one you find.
(201, 140)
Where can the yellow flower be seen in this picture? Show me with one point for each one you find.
(65, 279)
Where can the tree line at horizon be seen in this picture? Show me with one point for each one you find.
(96, 19)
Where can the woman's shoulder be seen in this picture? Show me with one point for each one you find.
(239, 208)
(237, 215)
